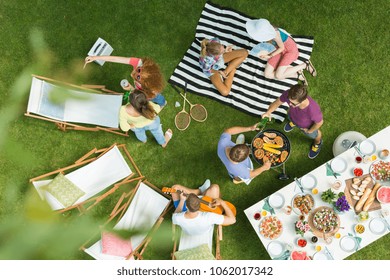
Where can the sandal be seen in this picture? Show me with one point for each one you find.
(310, 68)
(168, 136)
(302, 78)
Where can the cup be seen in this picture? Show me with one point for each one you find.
(367, 159)
(287, 210)
(314, 239)
(257, 216)
(337, 235)
(318, 248)
(383, 154)
(314, 191)
(357, 171)
(337, 185)
(362, 216)
(301, 242)
(264, 213)
(358, 159)
(124, 83)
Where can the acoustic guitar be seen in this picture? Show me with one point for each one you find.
(206, 203)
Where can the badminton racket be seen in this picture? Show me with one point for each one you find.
(182, 119)
(197, 111)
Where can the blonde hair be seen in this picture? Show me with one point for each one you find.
(209, 47)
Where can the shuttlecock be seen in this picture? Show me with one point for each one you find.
(177, 104)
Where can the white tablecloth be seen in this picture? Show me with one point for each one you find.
(324, 182)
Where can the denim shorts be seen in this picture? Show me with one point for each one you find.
(312, 135)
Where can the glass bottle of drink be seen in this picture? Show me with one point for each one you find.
(262, 123)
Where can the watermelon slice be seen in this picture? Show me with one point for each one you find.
(383, 194)
(299, 255)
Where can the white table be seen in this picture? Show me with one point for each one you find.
(324, 182)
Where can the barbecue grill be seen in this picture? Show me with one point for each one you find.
(286, 147)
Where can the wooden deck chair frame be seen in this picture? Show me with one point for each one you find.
(65, 126)
(176, 232)
(89, 157)
(121, 208)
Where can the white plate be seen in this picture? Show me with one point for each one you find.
(338, 165)
(321, 256)
(276, 200)
(348, 243)
(308, 181)
(276, 249)
(297, 210)
(378, 226)
(367, 147)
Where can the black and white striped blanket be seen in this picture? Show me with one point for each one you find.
(251, 91)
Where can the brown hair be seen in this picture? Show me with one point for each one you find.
(141, 104)
(297, 92)
(209, 47)
(192, 202)
(152, 80)
(239, 152)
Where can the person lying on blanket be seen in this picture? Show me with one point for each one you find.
(235, 157)
(140, 115)
(304, 113)
(187, 214)
(212, 59)
(146, 74)
(279, 61)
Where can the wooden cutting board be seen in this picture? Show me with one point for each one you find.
(352, 202)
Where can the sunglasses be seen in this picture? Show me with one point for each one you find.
(294, 104)
(138, 70)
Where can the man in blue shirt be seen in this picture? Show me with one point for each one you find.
(235, 157)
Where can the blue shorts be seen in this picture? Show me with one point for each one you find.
(312, 135)
(176, 203)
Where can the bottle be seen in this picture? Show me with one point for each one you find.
(262, 123)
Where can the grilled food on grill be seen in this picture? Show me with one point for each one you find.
(259, 153)
(270, 146)
(283, 156)
(279, 140)
(258, 143)
(270, 134)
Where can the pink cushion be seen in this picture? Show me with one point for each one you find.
(112, 244)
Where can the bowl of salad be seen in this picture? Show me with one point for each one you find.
(324, 222)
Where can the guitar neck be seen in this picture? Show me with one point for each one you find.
(207, 201)
(201, 200)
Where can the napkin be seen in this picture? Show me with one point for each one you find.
(358, 240)
(330, 172)
(284, 256)
(268, 207)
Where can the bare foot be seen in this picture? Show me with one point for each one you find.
(168, 136)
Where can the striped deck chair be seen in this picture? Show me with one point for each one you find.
(183, 242)
(140, 213)
(89, 180)
(71, 107)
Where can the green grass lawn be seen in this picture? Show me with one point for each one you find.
(350, 54)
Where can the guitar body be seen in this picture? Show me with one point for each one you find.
(206, 201)
(217, 209)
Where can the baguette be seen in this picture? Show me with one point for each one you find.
(371, 198)
(362, 200)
